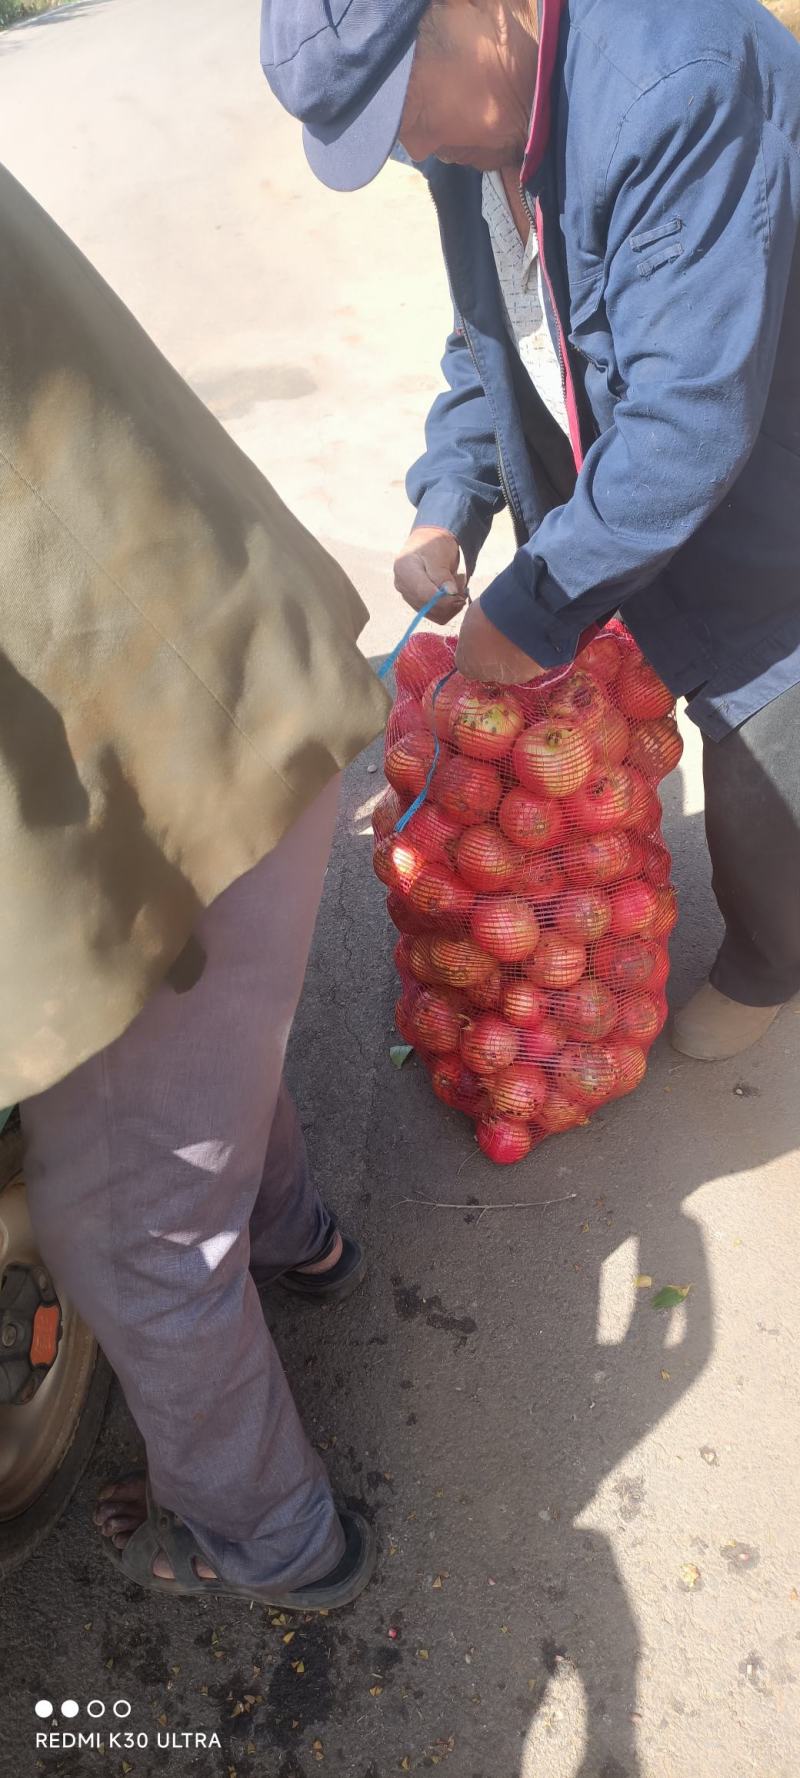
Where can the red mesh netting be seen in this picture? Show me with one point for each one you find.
(531, 889)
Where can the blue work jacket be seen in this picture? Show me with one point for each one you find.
(663, 175)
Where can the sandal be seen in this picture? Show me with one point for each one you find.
(334, 1285)
(163, 1533)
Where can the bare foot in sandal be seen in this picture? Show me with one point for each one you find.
(154, 1548)
(121, 1509)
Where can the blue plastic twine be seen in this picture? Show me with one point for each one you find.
(388, 664)
(442, 592)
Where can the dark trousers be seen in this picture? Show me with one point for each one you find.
(752, 782)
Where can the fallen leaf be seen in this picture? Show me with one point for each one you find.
(671, 1296)
(405, 1764)
(644, 1281)
(690, 1575)
(278, 1618)
(175, 1670)
(298, 1666)
(251, 1748)
(438, 1583)
(376, 1691)
(126, 1766)
(289, 1637)
(665, 1377)
(204, 1691)
(584, 1228)
(422, 1654)
(162, 1720)
(399, 1053)
(505, 1630)
(238, 1709)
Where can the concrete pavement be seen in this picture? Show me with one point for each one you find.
(586, 1509)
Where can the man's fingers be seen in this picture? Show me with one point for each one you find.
(444, 611)
(414, 582)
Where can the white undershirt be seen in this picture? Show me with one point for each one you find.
(520, 276)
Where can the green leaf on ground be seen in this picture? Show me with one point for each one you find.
(400, 1052)
(671, 1296)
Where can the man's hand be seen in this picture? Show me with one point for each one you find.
(484, 653)
(431, 559)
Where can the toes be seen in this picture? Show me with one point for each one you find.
(122, 1537)
(123, 1522)
(119, 1509)
(132, 1490)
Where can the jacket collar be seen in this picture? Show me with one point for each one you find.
(550, 14)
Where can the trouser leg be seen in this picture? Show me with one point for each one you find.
(290, 1224)
(752, 786)
(144, 1167)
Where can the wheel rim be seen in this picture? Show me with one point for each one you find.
(34, 1439)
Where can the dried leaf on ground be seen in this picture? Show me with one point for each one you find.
(644, 1281)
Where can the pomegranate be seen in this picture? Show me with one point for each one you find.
(518, 1092)
(507, 928)
(503, 1141)
(554, 759)
(488, 1043)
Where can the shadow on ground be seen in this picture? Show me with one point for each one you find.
(496, 1376)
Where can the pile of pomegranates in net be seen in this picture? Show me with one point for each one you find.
(531, 887)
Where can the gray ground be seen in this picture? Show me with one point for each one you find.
(586, 1509)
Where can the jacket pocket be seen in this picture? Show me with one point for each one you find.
(589, 331)
(660, 244)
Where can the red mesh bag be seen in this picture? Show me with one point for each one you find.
(529, 882)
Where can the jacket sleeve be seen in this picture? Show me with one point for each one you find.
(695, 286)
(456, 483)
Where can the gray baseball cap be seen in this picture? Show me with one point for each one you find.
(342, 67)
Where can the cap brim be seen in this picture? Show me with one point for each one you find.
(346, 156)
